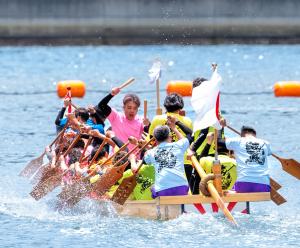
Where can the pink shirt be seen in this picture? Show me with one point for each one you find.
(123, 128)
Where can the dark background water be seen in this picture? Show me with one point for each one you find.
(28, 107)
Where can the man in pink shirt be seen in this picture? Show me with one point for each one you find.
(127, 123)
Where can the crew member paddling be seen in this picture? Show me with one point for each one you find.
(168, 160)
(251, 155)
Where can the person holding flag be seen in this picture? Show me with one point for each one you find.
(205, 101)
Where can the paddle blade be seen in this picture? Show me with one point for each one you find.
(72, 194)
(290, 166)
(39, 173)
(108, 179)
(78, 190)
(46, 186)
(275, 185)
(65, 193)
(124, 190)
(32, 166)
(46, 173)
(276, 197)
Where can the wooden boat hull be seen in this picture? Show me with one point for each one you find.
(171, 207)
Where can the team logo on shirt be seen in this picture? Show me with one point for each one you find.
(165, 158)
(256, 152)
(145, 182)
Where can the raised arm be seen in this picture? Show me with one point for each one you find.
(171, 123)
(61, 113)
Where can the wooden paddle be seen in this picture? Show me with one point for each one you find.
(276, 197)
(275, 185)
(122, 148)
(72, 194)
(105, 182)
(104, 142)
(85, 148)
(67, 192)
(52, 178)
(83, 184)
(40, 175)
(34, 164)
(126, 188)
(115, 173)
(290, 166)
(212, 190)
(129, 81)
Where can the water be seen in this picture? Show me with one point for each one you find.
(28, 107)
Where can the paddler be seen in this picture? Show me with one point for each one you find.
(202, 148)
(168, 160)
(251, 154)
(174, 104)
(128, 123)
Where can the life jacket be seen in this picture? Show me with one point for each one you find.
(228, 169)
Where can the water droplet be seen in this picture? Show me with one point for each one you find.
(260, 57)
(171, 63)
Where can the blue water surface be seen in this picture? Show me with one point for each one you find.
(28, 107)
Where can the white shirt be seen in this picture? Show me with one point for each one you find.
(251, 155)
(168, 161)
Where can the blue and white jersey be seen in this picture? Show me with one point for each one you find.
(251, 155)
(168, 161)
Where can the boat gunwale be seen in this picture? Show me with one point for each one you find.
(194, 199)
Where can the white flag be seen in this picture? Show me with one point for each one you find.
(155, 72)
(205, 102)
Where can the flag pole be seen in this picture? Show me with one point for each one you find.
(158, 109)
(216, 169)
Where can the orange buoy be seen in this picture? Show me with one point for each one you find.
(184, 88)
(77, 88)
(287, 88)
